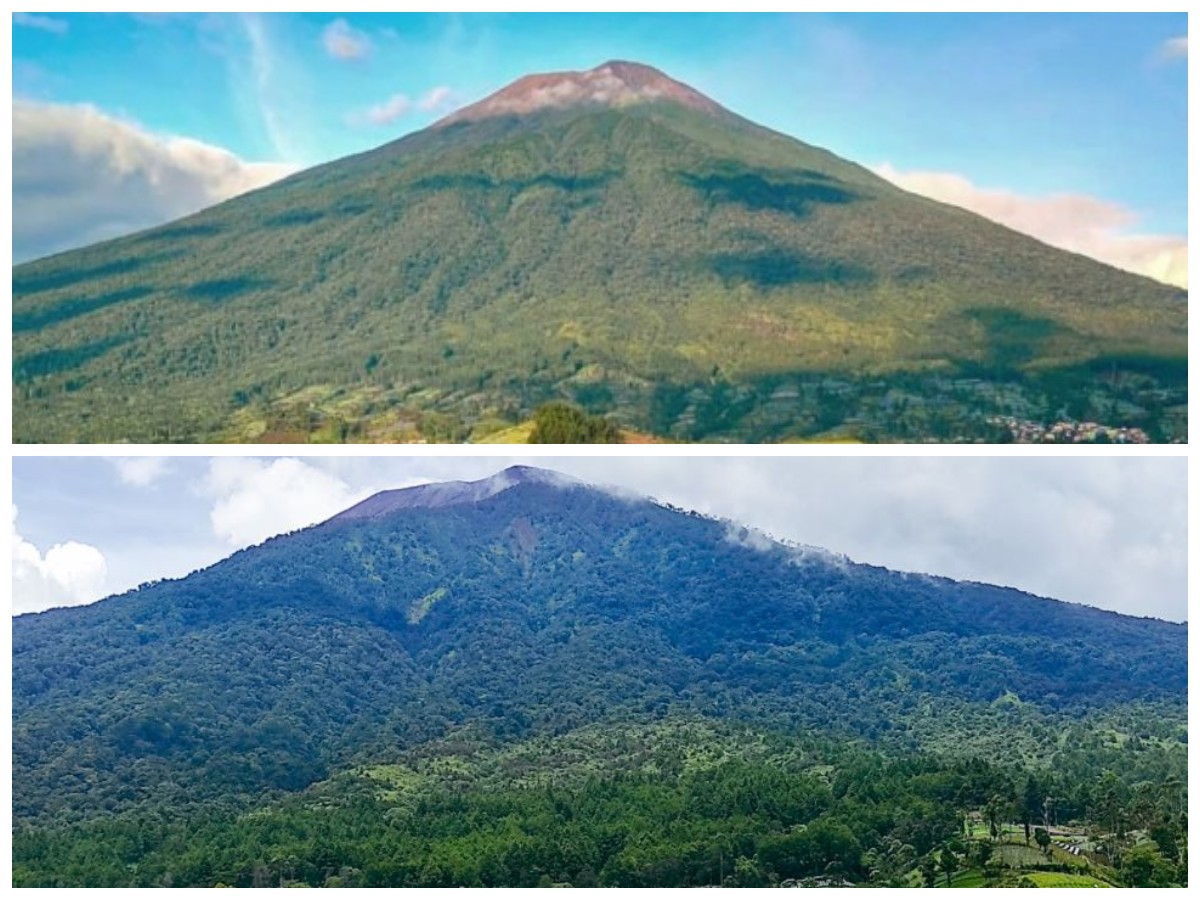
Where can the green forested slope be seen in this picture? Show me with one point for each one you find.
(496, 682)
(611, 256)
(537, 610)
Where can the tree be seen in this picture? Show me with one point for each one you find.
(929, 870)
(1163, 835)
(561, 423)
(993, 813)
(1145, 866)
(1031, 804)
(983, 854)
(747, 873)
(1042, 836)
(949, 863)
(1112, 798)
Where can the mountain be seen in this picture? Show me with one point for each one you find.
(531, 604)
(529, 679)
(610, 237)
(451, 493)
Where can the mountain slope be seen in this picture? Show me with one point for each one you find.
(527, 605)
(611, 236)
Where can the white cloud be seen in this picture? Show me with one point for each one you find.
(254, 499)
(68, 574)
(344, 42)
(1075, 222)
(81, 175)
(41, 23)
(141, 471)
(395, 107)
(1175, 48)
(436, 100)
(440, 99)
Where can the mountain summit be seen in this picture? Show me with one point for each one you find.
(614, 84)
(451, 493)
(609, 237)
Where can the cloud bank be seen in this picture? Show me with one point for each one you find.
(68, 574)
(1074, 222)
(81, 176)
(1108, 532)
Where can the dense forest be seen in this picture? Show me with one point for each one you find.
(526, 680)
(675, 803)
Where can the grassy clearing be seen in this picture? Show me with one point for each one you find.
(969, 878)
(514, 434)
(824, 439)
(1018, 856)
(1062, 879)
(520, 433)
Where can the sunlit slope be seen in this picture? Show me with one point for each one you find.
(481, 267)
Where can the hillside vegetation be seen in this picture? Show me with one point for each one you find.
(670, 804)
(693, 275)
(524, 678)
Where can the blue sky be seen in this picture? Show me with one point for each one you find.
(1033, 102)
(1030, 105)
(1106, 531)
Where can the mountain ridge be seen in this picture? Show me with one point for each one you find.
(526, 611)
(440, 494)
(435, 495)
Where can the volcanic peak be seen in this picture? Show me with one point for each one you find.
(452, 493)
(616, 83)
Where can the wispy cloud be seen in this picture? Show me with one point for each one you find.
(437, 100)
(441, 99)
(41, 23)
(342, 41)
(141, 471)
(271, 86)
(1075, 222)
(395, 107)
(1175, 48)
(262, 65)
